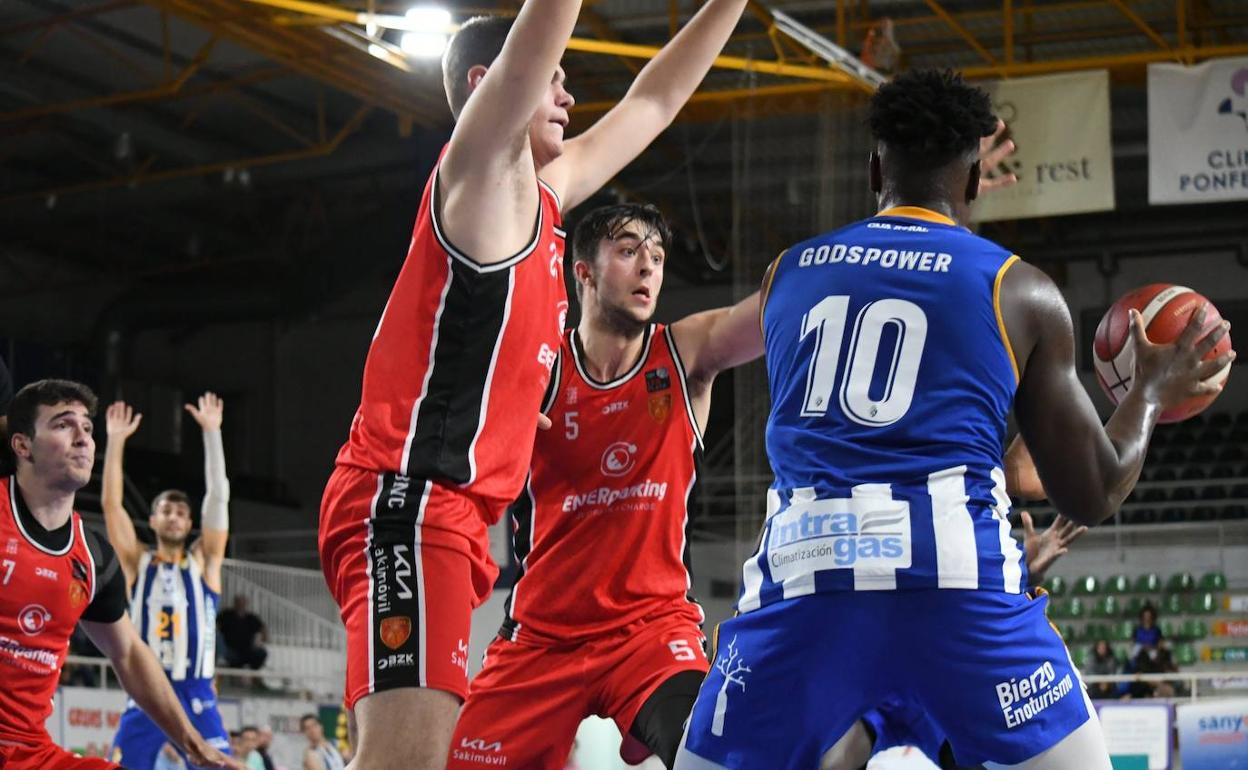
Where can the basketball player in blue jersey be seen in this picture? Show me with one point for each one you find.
(895, 348)
(174, 590)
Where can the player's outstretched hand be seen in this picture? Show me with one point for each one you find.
(202, 754)
(121, 421)
(209, 412)
(1169, 374)
(992, 151)
(1045, 549)
(543, 422)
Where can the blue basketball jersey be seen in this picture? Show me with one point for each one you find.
(891, 378)
(176, 614)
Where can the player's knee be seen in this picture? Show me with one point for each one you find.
(660, 722)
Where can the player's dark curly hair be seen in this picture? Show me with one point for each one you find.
(931, 116)
(25, 405)
(607, 222)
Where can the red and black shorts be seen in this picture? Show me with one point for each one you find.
(526, 703)
(407, 560)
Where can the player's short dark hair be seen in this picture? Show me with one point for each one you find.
(25, 405)
(304, 719)
(171, 495)
(607, 222)
(931, 117)
(478, 41)
(250, 728)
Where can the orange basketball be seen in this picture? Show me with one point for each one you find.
(1166, 309)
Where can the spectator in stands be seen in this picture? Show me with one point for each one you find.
(320, 754)
(1103, 662)
(263, 745)
(244, 636)
(249, 741)
(1152, 660)
(1147, 634)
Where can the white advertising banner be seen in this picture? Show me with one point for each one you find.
(1064, 160)
(1198, 132)
(84, 719)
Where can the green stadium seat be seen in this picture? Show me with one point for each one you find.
(1105, 607)
(1069, 632)
(1123, 653)
(1079, 654)
(1087, 586)
(1118, 584)
(1213, 581)
(1057, 609)
(1168, 629)
(1122, 631)
(1173, 605)
(1131, 606)
(1186, 655)
(1202, 604)
(1195, 630)
(1075, 608)
(1094, 631)
(1149, 583)
(1056, 586)
(1182, 583)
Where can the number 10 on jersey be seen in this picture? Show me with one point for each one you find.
(827, 321)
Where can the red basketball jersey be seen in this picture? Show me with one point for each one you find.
(42, 595)
(461, 359)
(600, 530)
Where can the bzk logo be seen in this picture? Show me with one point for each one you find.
(618, 459)
(1238, 104)
(33, 619)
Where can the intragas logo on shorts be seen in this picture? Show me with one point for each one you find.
(838, 534)
(1022, 699)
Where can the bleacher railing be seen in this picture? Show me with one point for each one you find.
(282, 597)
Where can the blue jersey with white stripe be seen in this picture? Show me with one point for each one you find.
(891, 379)
(176, 614)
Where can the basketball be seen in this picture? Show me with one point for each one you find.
(1166, 309)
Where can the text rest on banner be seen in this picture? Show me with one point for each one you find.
(1064, 163)
(1198, 132)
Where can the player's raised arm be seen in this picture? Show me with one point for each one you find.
(1088, 469)
(660, 91)
(121, 421)
(488, 169)
(719, 339)
(209, 412)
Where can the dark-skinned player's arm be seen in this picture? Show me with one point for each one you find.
(1088, 469)
(660, 90)
(488, 171)
(146, 682)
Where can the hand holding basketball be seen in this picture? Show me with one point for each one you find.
(1169, 340)
(1178, 373)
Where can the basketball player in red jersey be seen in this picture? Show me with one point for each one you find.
(461, 357)
(600, 620)
(55, 573)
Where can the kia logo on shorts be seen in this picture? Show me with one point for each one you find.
(618, 459)
(33, 619)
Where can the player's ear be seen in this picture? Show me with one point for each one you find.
(475, 73)
(874, 173)
(20, 444)
(972, 182)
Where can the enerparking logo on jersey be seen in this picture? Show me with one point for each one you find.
(33, 619)
(844, 533)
